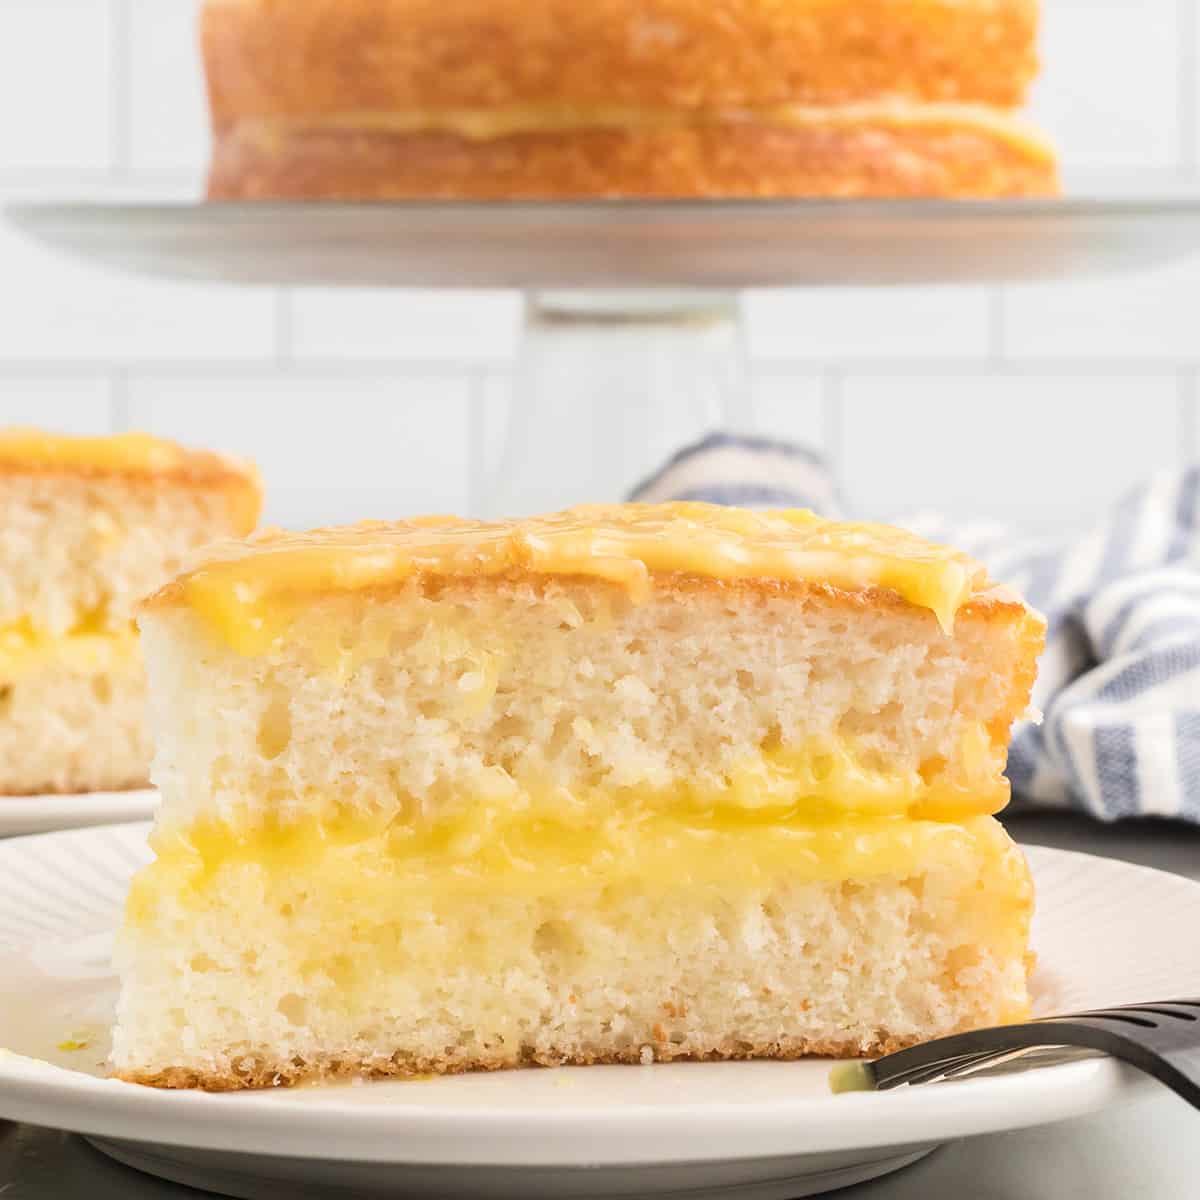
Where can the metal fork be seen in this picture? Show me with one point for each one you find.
(1160, 1038)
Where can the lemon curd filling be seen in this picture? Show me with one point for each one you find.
(822, 815)
(353, 905)
(832, 777)
(383, 871)
(487, 124)
(88, 649)
(251, 593)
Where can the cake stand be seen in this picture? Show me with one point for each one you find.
(633, 335)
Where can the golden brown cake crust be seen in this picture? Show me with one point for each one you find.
(255, 1073)
(307, 57)
(875, 159)
(996, 604)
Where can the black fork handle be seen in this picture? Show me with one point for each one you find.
(1168, 1052)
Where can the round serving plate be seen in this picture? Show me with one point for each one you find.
(623, 243)
(1106, 933)
(44, 814)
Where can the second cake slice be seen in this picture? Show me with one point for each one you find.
(88, 527)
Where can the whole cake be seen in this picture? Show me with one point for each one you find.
(573, 98)
(88, 527)
(618, 784)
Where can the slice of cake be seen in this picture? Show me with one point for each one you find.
(376, 99)
(615, 785)
(88, 527)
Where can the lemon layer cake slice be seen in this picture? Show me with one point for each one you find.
(88, 527)
(614, 785)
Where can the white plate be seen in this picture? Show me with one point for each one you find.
(1106, 933)
(44, 814)
(623, 243)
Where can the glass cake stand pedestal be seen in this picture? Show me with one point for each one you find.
(633, 337)
(606, 386)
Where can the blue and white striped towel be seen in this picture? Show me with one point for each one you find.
(1120, 680)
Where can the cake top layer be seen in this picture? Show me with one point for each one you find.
(323, 57)
(237, 583)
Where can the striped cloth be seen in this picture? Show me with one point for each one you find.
(1120, 679)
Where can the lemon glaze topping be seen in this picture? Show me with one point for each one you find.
(112, 452)
(248, 591)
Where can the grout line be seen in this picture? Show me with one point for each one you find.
(442, 369)
(285, 321)
(185, 370)
(751, 409)
(1188, 87)
(738, 402)
(476, 450)
(832, 398)
(118, 405)
(495, 372)
(975, 367)
(153, 179)
(996, 332)
(366, 369)
(1189, 416)
(121, 100)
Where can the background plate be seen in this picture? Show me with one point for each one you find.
(725, 244)
(1106, 933)
(43, 814)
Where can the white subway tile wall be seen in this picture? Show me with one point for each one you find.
(165, 120)
(1042, 449)
(57, 101)
(372, 324)
(1035, 404)
(331, 448)
(80, 404)
(53, 310)
(1086, 45)
(868, 323)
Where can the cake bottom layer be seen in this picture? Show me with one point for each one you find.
(262, 977)
(74, 719)
(732, 159)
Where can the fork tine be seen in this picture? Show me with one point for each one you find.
(1026, 1054)
(1023, 1058)
(926, 1072)
(1161, 1038)
(1166, 1009)
(1120, 1016)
